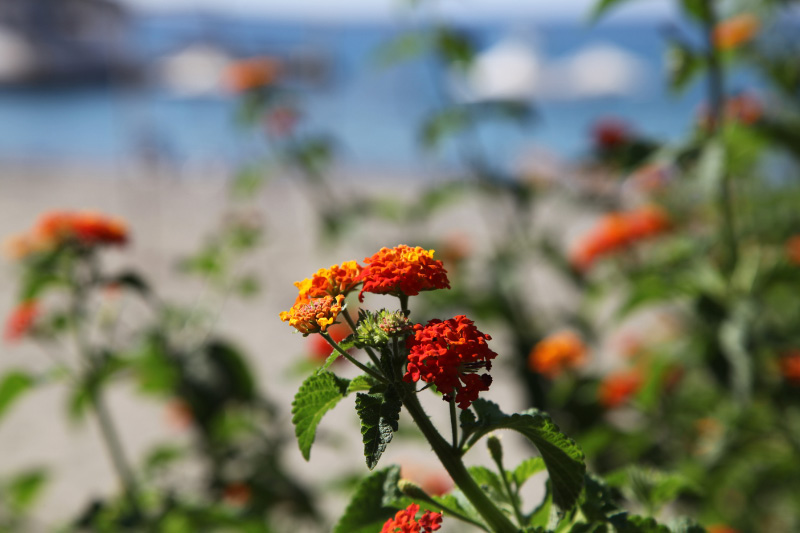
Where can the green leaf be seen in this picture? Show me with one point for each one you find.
(490, 482)
(317, 395)
(367, 512)
(132, 281)
(602, 8)
(345, 345)
(232, 374)
(562, 456)
(363, 382)
(711, 166)
(379, 414)
(683, 64)
(627, 523)
(526, 469)
(25, 488)
(12, 387)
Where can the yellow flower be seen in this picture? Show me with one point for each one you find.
(315, 315)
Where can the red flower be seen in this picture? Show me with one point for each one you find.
(616, 389)
(617, 231)
(402, 271)
(405, 521)
(556, 353)
(237, 494)
(21, 320)
(793, 249)
(790, 366)
(721, 528)
(86, 227)
(610, 133)
(448, 354)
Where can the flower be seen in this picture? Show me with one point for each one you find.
(617, 231)
(248, 74)
(790, 366)
(743, 108)
(735, 31)
(237, 494)
(448, 354)
(405, 521)
(793, 249)
(21, 320)
(315, 315)
(280, 122)
(610, 133)
(338, 279)
(616, 389)
(721, 528)
(557, 353)
(179, 414)
(402, 270)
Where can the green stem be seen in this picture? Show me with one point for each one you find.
(512, 496)
(404, 304)
(352, 359)
(497, 521)
(454, 423)
(449, 510)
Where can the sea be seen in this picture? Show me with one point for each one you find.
(372, 110)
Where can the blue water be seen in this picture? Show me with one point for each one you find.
(374, 113)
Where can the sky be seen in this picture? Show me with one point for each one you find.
(334, 10)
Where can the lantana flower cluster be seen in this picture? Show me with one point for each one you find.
(617, 231)
(54, 229)
(405, 521)
(558, 352)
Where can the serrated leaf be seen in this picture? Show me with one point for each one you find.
(379, 414)
(367, 512)
(562, 456)
(317, 395)
(361, 383)
(12, 387)
(526, 469)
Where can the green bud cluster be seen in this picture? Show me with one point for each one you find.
(376, 329)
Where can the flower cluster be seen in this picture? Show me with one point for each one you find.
(617, 231)
(253, 73)
(793, 249)
(448, 354)
(618, 388)
(86, 228)
(735, 31)
(315, 315)
(402, 270)
(405, 521)
(790, 366)
(557, 353)
(743, 108)
(20, 321)
(333, 281)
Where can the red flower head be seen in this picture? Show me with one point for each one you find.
(448, 354)
(86, 227)
(21, 320)
(616, 389)
(721, 528)
(557, 353)
(793, 249)
(402, 270)
(610, 133)
(405, 521)
(333, 281)
(617, 231)
(237, 494)
(790, 366)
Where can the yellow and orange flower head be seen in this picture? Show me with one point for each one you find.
(790, 366)
(313, 315)
(449, 354)
(556, 353)
(338, 279)
(735, 31)
(405, 521)
(617, 231)
(616, 389)
(21, 320)
(402, 270)
(793, 249)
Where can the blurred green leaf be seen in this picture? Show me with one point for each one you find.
(602, 8)
(23, 490)
(683, 64)
(402, 48)
(13, 385)
(367, 512)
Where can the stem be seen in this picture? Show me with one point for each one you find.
(352, 359)
(404, 304)
(454, 423)
(512, 496)
(716, 97)
(497, 521)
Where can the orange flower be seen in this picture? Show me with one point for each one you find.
(59, 227)
(179, 414)
(248, 74)
(402, 270)
(793, 249)
(744, 108)
(720, 528)
(448, 354)
(616, 231)
(556, 353)
(405, 521)
(330, 281)
(790, 366)
(237, 494)
(735, 31)
(313, 316)
(616, 389)
(436, 482)
(21, 320)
